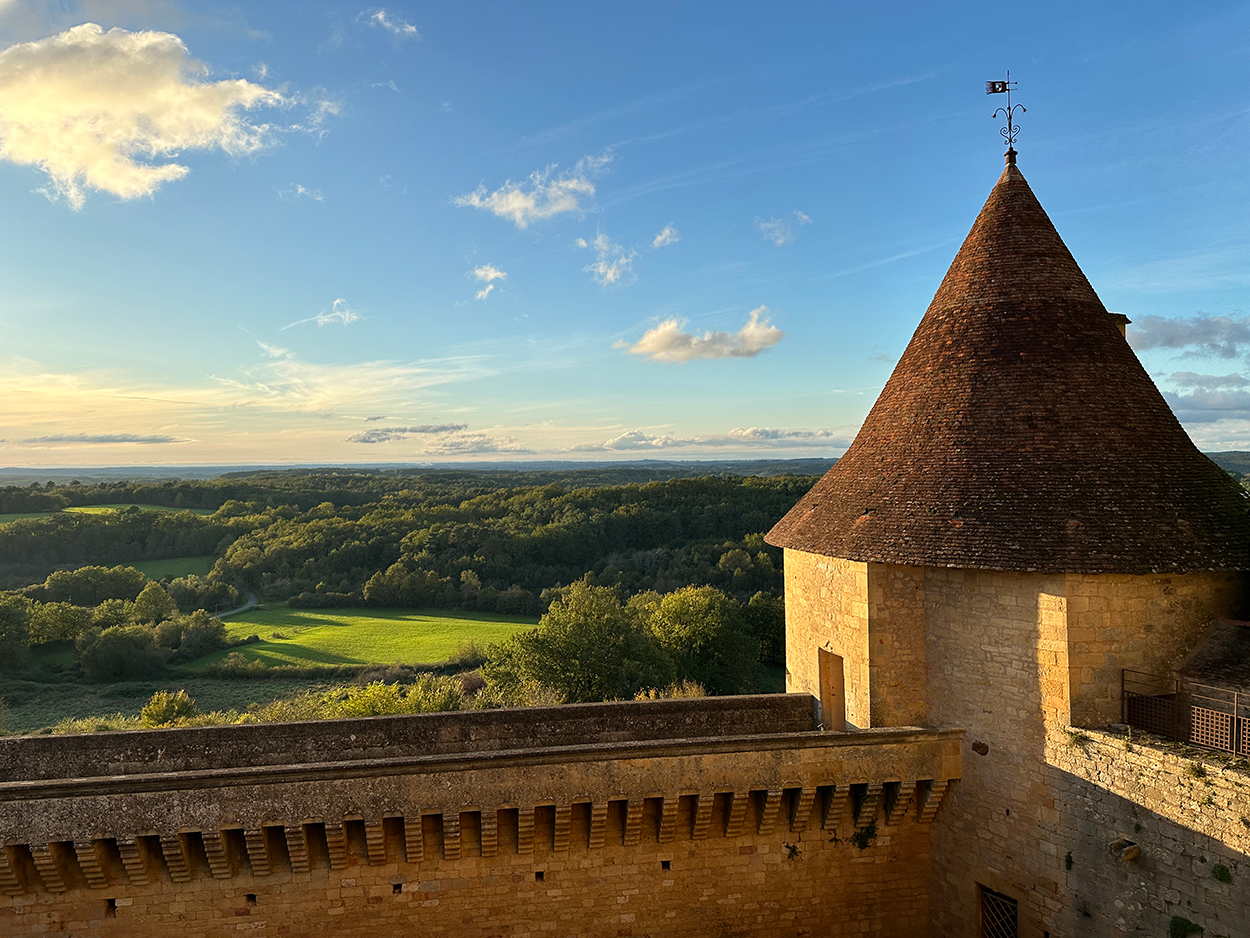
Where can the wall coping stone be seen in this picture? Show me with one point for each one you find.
(484, 733)
(213, 778)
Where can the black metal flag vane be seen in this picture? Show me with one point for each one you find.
(1009, 132)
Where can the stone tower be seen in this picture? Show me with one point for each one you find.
(1020, 518)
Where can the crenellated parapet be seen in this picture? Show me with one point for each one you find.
(437, 804)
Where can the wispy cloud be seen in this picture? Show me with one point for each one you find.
(338, 313)
(1189, 379)
(100, 110)
(297, 192)
(765, 437)
(781, 231)
(486, 274)
(546, 196)
(97, 439)
(395, 25)
(1218, 336)
(276, 407)
(667, 235)
(668, 342)
(387, 434)
(613, 266)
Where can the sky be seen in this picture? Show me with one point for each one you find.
(288, 232)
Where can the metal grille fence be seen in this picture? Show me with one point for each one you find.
(1195, 713)
(999, 915)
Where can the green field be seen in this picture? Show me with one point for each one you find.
(29, 706)
(19, 515)
(174, 567)
(306, 637)
(98, 509)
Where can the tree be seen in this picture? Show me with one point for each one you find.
(153, 604)
(704, 631)
(119, 653)
(57, 622)
(14, 639)
(587, 647)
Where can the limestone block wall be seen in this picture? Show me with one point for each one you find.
(1144, 623)
(1189, 814)
(1014, 657)
(984, 674)
(898, 673)
(770, 833)
(827, 607)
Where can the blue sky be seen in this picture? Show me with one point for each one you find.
(294, 232)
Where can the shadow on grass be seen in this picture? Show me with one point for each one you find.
(276, 653)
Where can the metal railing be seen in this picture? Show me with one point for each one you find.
(1208, 716)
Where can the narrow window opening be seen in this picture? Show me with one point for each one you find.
(538, 876)
(110, 908)
(250, 898)
(666, 865)
(396, 888)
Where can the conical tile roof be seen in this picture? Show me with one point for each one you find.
(1020, 432)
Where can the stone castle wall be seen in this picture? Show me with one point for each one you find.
(1016, 659)
(1005, 652)
(827, 607)
(1187, 812)
(777, 830)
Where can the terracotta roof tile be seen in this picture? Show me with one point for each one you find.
(1020, 432)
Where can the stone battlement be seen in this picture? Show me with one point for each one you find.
(726, 777)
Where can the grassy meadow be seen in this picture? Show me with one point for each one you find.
(100, 509)
(306, 637)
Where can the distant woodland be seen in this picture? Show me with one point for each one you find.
(659, 582)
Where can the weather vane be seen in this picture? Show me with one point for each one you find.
(1009, 132)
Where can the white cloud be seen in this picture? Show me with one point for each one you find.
(780, 231)
(667, 235)
(100, 110)
(613, 266)
(338, 313)
(393, 25)
(486, 274)
(297, 192)
(387, 434)
(473, 444)
(739, 437)
(1219, 336)
(548, 195)
(667, 342)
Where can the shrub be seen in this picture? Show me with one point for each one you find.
(684, 688)
(168, 707)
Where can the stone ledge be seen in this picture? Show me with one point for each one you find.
(42, 789)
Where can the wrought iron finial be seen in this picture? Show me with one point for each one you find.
(1009, 132)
